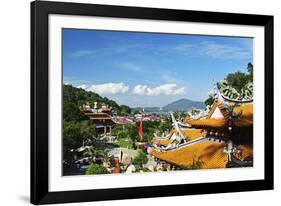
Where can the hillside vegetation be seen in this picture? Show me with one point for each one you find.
(77, 128)
(74, 97)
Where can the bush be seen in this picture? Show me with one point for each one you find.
(96, 169)
(140, 159)
(146, 169)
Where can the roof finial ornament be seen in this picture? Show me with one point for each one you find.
(215, 88)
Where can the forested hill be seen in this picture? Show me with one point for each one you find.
(183, 105)
(74, 97)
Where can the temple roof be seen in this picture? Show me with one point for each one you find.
(223, 109)
(98, 115)
(191, 134)
(210, 153)
(207, 123)
(242, 116)
(244, 111)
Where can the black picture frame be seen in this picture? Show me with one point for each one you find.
(39, 101)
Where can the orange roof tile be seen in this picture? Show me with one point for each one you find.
(194, 133)
(191, 134)
(206, 123)
(209, 153)
(244, 111)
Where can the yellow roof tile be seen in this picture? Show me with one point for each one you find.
(209, 153)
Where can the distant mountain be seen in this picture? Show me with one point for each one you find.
(146, 109)
(176, 106)
(183, 105)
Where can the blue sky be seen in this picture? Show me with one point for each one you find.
(147, 69)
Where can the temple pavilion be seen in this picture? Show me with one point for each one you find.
(101, 117)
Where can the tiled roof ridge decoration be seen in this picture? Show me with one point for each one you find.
(230, 94)
(224, 108)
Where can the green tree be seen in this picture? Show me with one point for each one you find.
(237, 80)
(165, 125)
(87, 130)
(71, 112)
(124, 110)
(250, 69)
(96, 169)
(71, 139)
(106, 155)
(90, 153)
(75, 134)
(209, 101)
(149, 128)
(140, 159)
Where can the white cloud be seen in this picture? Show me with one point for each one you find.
(108, 50)
(165, 89)
(83, 86)
(81, 53)
(213, 50)
(130, 67)
(224, 51)
(107, 88)
(210, 49)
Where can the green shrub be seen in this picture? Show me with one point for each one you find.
(96, 169)
(146, 169)
(140, 159)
